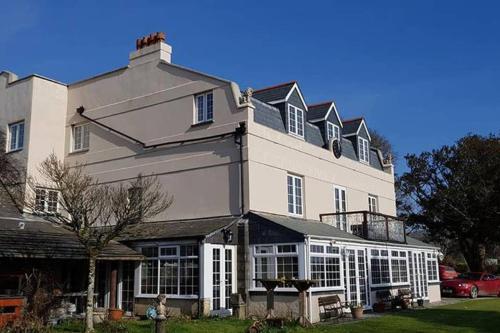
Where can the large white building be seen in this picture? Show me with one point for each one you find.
(265, 185)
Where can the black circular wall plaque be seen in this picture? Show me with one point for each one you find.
(336, 148)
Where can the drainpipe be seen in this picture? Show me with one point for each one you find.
(201, 257)
(238, 139)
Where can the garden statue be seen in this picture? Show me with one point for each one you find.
(161, 307)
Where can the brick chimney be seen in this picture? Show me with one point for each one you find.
(150, 48)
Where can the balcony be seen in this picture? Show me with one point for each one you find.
(368, 225)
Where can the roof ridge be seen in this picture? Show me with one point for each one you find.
(319, 104)
(275, 86)
(352, 119)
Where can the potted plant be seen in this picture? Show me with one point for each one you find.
(420, 301)
(356, 311)
(115, 314)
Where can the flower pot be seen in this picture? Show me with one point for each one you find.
(357, 313)
(379, 307)
(115, 314)
(420, 302)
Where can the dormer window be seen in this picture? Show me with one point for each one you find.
(46, 200)
(295, 121)
(204, 104)
(363, 150)
(333, 131)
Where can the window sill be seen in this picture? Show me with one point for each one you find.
(202, 123)
(80, 151)
(297, 136)
(14, 150)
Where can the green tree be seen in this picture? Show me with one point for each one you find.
(454, 193)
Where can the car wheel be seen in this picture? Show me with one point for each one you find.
(473, 292)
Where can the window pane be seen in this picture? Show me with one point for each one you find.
(52, 201)
(86, 135)
(287, 249)
(291, 208)
(300, 122)
(332, 272)
(200, 107)
(288, 268)
(318, 271)
(264, 249)
(39, 200)
(292, 120)
(264, 269)
(189, 275)
(20, 135)
(150, 252)
(168, 251)
(149, 277)
(298, 196)
(210, 106)
(317, 249)
(169, 270)
(77, 138)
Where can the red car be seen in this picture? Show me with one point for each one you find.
(447, 273)
(472, 285)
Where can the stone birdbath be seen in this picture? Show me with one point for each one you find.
(303, 286)
(270, 285)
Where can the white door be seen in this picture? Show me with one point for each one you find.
(223, 278)
(418, 274)
(356, 277)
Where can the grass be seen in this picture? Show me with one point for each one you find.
(480, 316)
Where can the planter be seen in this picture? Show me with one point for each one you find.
(379, 307)
(420, 302)
(99, 315)
(115, 314)
(357, 313)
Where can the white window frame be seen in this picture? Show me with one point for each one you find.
(274, 255)
(341, 221)
(83, 137)
(332, 131)
(11, 139)
(293, 119)
(295, 204)
(432, 262)
(372, 203)
(363, 150)
(206, 116)
(157, 259)
(325, 255)
(46, 196)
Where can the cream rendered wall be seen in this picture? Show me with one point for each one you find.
(154, 102)
(15, 105)
(48, 117)
(272, 155)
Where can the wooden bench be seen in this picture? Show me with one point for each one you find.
(332, 307)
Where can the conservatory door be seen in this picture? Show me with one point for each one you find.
(223, 279)
(356, 277)
(418, 274)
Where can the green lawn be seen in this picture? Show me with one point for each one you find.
(482, 316)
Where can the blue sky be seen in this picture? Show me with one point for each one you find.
(423, 73)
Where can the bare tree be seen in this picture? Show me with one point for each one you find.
(97, 213)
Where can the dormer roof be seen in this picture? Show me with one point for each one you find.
(278, 93)
(353, 126)
(321, 111)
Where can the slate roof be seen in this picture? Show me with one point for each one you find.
(195, 228)
(351, 126)
(318, 111)
(45, 240)
(308, 227)
(274, 93)
(270, 116)
(315, 228)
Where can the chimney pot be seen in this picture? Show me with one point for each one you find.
(150, 47)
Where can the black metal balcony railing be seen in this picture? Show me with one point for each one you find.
(368, 225)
